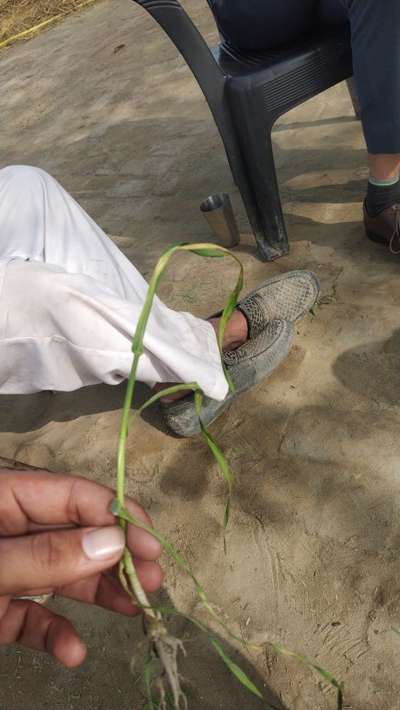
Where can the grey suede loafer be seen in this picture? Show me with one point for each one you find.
(287, 297)
(248, 365)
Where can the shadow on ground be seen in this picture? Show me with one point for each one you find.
(106, 680)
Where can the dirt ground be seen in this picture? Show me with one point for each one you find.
(103, 103)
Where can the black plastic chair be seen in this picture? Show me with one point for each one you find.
(246, 93)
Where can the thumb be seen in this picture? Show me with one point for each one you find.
(54, 558)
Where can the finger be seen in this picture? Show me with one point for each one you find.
(38, 628)
(57, 558)
(29, 500)
(106, 590)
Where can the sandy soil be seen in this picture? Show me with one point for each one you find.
(106, 105)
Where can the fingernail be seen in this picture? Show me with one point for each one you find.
(103, 543)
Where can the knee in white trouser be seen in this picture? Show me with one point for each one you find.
(22, 174)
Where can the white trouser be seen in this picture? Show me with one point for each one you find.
(70, 301)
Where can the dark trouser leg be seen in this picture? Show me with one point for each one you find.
(332, 12)
(375, 30)
(263, 24)
(375, 26)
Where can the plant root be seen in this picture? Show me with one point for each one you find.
(166, 648)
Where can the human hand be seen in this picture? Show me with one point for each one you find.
(58, 536)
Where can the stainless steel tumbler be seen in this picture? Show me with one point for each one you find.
(217, 210)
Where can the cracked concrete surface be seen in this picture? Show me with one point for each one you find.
(104, 103)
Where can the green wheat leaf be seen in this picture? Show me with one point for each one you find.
(208, 252)
(236, 670)
(123, 515)
(138, 338)
(326, 675)
(233, 667)
(118, 508)
(218, 455)
(223, 466)
(166, 393)
(120, 512)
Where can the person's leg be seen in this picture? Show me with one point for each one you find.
(375, 28)
(61, 331)
(60, 232)
(67, 316)
(263, 24)
(375, 32)
(332, 12)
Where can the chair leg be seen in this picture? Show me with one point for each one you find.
(259, 188)
(354, 97)
(250, 156)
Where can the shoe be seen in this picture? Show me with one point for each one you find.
(384, 228)
(255, 360)
(285, 297)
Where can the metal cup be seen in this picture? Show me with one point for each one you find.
(217, 210)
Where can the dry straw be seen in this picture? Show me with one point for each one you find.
(29, 17)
